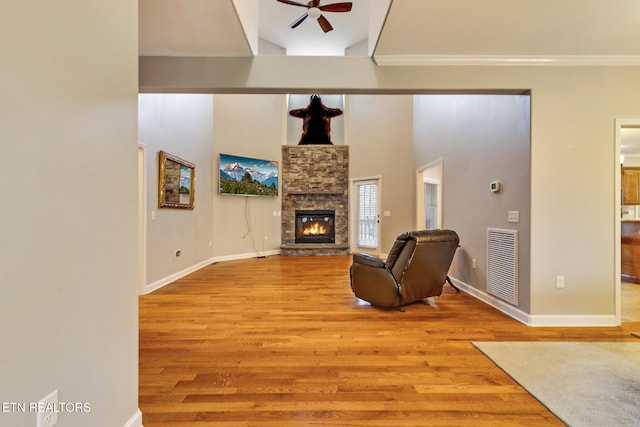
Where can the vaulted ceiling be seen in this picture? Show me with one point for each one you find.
(404, 32)
(401, 32)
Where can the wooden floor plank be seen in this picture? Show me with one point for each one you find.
(282, 341)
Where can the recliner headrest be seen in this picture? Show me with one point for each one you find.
(422, 236)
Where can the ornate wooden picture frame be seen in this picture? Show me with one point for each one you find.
(177, 178)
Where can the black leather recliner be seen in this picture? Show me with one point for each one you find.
(416, 269)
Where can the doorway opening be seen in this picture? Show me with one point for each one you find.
(142, 222)
(627, 155)
(429, 196)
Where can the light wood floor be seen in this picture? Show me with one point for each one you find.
(282, 341)
(630, 302)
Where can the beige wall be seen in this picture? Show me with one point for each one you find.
(181, 125)
(480, 139)
(249, 126)
(573, 170)
(380, 135)
(68, 276)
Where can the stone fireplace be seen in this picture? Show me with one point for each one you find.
(315, 193)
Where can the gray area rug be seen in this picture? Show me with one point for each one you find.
(582, 383)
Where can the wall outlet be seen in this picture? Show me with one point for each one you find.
(513, 216)
(47, 410)
(560, 282)
(474, 264)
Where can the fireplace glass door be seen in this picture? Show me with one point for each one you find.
(315, 226)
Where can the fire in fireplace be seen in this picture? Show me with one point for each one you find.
(315, 226)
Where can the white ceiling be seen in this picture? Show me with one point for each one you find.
(349, 28)
(415, 32)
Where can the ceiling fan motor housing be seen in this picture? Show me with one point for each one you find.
(314, 12)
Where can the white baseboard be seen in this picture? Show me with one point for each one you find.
(494, 302)
(135, 420)
(572, 320)
(536, 319)
(180, 274)
(245, 256)
(175, 276)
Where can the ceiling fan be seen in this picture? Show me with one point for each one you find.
(314, 10)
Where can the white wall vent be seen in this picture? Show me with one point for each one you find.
(502, 264)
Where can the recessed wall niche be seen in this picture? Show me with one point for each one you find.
(294, 124)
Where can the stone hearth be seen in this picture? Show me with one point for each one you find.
(315, 177)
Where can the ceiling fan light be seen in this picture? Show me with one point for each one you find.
(314, 12)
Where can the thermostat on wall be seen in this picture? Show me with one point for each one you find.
(495, 186)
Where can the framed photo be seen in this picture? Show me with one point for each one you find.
(176, 187)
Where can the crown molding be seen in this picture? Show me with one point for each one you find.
(504, 60)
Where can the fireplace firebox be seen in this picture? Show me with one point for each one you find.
(315, 226)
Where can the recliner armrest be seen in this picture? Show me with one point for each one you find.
(368, 260)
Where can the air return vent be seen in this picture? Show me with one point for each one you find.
(502, 264)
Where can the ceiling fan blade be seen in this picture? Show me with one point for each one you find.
(298, 21)
(293, 3)
(316, 3)
(324, 24)
(336, 7)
